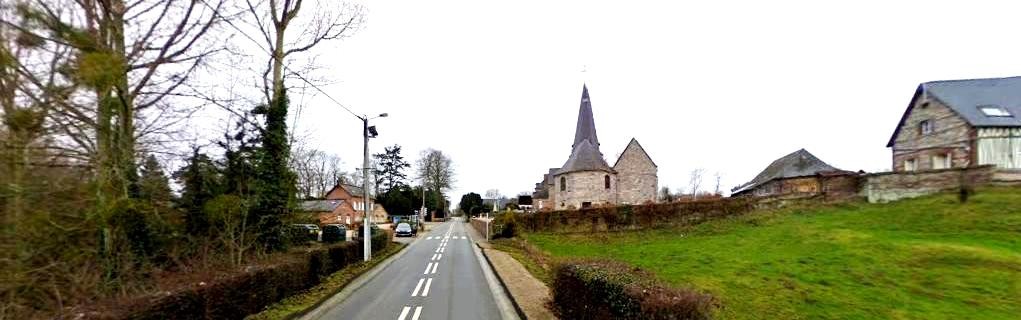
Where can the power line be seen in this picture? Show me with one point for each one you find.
(257, 44)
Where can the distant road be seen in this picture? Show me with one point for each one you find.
(439, 277)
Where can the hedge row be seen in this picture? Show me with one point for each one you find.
(249, 292)
(600, 289)
(635, 216)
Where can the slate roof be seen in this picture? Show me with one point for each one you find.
(965, 96)
(319, 205)
(800, 163)
(586, 128)
(355, 191)
(585, 157)
(585, 154)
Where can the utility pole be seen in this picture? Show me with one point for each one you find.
(367, 132)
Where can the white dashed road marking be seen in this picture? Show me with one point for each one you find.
(435, 265)
(418, 286)
(404, 313)
(418, 311)
(438, 256)
(430, 266)
(428, 283)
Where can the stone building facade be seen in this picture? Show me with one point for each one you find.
(960, 123)
(800, 173)
(586, 180)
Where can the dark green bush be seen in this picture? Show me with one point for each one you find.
(599, 289)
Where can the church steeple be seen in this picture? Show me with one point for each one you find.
(586, 129)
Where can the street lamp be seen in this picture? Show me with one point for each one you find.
(367, 132)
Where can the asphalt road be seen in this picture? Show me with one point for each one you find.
(438, 277)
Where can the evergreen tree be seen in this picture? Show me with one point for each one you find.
(200, 179)
(390, 167)
(153, 184)
(275, 182)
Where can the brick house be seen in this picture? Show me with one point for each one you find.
(354, 198)
(960, 123)
(800, 173)
(586, 180)
(331, 211)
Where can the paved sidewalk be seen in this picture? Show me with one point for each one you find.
(528, 293)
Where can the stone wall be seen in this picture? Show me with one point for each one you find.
(951, 135)
(890, 186)
(584, 186)
(636, 177)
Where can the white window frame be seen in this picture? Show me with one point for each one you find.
(926, 127)
(943, 160)
(910, 164)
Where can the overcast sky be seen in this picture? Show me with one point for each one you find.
(727, 86)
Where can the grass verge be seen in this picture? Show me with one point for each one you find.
(925, 258)
(296, 305)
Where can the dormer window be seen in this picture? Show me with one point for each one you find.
(994, 111)
(925, 127)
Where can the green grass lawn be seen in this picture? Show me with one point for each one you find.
(926, 258)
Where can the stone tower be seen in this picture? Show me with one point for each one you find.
(585, 179)
(637, 176)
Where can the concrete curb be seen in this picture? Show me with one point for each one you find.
(509, 309)
(517, 307)
(324, 306)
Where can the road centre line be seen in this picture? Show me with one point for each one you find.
(427, 267)
(428, 283)
(435, 265)
(438, 256)
(404, 313)
(418, 286)
(418, 311)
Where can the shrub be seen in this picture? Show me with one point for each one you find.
(599, 289)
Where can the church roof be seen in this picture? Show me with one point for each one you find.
(800, 163)
(585, 154)
(586, 129)
(585, 157)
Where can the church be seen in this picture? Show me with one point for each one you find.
(586, 180)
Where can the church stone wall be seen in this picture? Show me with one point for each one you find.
(637, 182)
(584, 186)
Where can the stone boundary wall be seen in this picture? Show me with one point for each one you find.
(480, 226)
(891, 186)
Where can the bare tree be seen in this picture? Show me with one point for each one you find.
(665, 195)
(317, 172)
(437, 172)
(695, 181)
(275, 18)
(129, 56)
(230, 215)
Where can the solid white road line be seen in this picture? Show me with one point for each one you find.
(425, 291)
(404, 313)
(430, 266)
(418, 311)
(418, 286)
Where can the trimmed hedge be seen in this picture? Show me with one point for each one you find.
(601, 289)
(635, 216)
(249, 292)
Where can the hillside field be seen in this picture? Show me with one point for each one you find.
(925, 258)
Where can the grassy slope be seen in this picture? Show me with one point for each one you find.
(928, 258)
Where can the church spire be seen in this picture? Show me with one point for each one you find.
(586, 129)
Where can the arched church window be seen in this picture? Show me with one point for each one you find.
(563, 184)
(606, 181)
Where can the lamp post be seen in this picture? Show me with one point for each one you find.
(367, 132)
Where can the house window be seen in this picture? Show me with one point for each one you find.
(925, 127)
(994, 111)
(585, 205)
(563, 184)
(941, 161)
(909, 165)
(606, 181)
